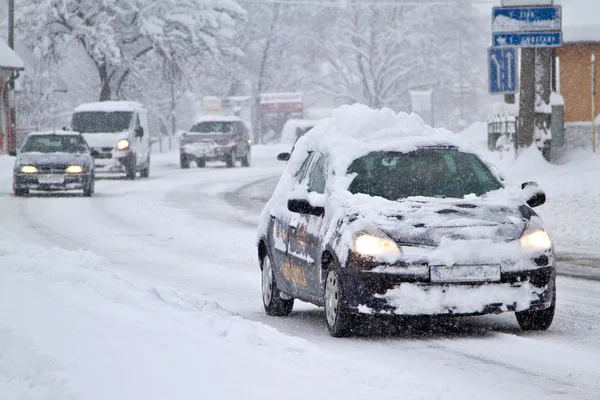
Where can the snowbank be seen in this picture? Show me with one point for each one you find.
(70, 329)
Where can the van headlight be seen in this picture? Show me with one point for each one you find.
(123, 145)
(375, 244)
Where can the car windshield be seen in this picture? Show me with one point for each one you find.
(213, 127)
(425, 172)
(54, 144)
(101, 121)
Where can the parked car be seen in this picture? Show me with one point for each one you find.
(118, 131)
(52, 161)
(379, 215)
(216, 138)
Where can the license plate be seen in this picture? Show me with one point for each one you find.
(465, 273)
(51, 179)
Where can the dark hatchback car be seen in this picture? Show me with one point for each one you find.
(424, 230)
(216, 138)
(53, 161)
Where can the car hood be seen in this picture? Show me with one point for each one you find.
(104, 139)
(49, 159)
(428, 222)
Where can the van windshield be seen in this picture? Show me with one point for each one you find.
(101, 121)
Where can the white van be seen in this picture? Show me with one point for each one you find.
(118, 132)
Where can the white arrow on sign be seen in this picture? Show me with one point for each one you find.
(498, 80)
(508, 64)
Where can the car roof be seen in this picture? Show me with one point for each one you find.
(356, 130)
(110, 106)
(55, 133)
(216, 118)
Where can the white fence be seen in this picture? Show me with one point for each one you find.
(161, 144)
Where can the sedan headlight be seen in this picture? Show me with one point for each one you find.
(29, 169)
(369, 244)
(123, 144)
(74, 169)
(536, 240)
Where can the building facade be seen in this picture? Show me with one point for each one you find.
(10, 65)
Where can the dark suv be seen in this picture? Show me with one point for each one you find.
(216, 138)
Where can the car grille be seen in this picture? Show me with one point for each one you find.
(106, 149)
(52, 169)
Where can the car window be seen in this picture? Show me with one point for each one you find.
(54, 144)
(101, 121)
(317, 177)
(426, 172)
(302, 171)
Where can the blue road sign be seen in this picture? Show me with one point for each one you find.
(526, 19)
(527, 39)
(503, 70)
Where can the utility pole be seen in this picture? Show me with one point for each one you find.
(11, 134)
(526, 98)
(594, 102)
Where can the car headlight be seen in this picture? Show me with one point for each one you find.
(74, 169)
(536, 240)
(123, 144)
(29, 169)
(369, 244)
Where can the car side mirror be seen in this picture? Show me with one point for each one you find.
(535, 196)
(94, 153)
(12, 153)
(302, 206)
(283, 156)
(139, 131)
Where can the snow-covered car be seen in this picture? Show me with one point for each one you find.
(216, 138)
(53, 161)
(118, 131)
(378, 214)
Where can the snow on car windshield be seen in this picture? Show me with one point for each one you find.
(54, 144)
(212, 127)
(426, 172)
(101, 121)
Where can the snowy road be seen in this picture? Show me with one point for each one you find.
(151, 290)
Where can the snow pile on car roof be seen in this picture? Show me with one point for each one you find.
(356, 130)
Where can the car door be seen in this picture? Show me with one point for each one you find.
(304, 236)
(279, 227)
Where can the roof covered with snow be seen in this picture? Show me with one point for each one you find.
(215, 118)
(110, 106)
(8, 58)
(356, 130)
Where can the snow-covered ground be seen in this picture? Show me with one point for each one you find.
(151, 290)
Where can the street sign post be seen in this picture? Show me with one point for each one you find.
(527, 39)
(502, 66)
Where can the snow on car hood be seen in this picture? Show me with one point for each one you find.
(436, 230)
(104, 139)
(427, 222)
(40, 159)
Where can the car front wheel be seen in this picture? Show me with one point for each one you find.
(539, 320)
(184, 161)
(20, 192)
(274, 304)
(246, 159)
(339, 320)
(231, 160)
(88, 191)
